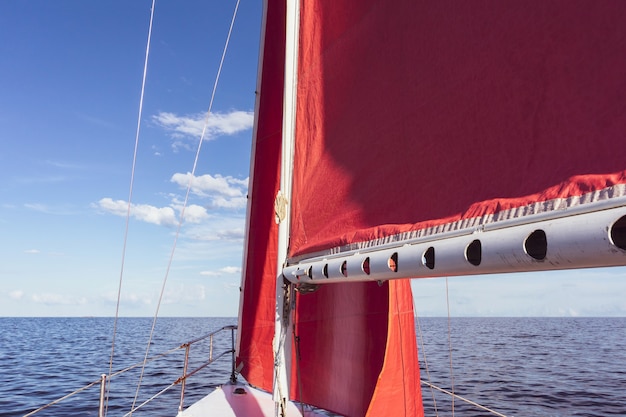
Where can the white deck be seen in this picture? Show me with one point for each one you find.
(237, 400)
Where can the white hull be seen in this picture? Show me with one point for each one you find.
(238, 400)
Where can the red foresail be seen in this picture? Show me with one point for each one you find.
(356, 350)
(258, 298)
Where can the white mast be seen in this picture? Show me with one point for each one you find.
(283, 331)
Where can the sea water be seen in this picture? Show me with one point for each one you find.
(526, 366)
(43, 359)
(516, 366)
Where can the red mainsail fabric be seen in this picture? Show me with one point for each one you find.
(413, 114)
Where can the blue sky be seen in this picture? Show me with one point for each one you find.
(70, 80)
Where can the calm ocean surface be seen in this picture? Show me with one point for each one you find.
(528, 366)
(517, 366)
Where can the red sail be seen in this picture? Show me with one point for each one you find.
(417, 114)
(356, 351)
(258, 297)
(355, 342)
(411, 117)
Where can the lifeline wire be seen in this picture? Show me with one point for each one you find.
(453, 395)
(130, 195)
(182, 212)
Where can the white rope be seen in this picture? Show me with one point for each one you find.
(128, 208)
(453, 395)
(182, 212)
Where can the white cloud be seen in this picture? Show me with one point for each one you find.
(213, 234)
(58, 299)
(224, 192)
(192, 125)
(184, 293)
(195, 214)
(64, 165)
(32, 251)
(16, 295)
(129, 299)
(225, 270)
(165, 216)
(232, 234)
(63, 210)
(231, 269)
(150, 214)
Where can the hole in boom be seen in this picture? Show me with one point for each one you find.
(428, 258)
(536, 245)
(365, 266)
(618, 233)
(392, 262)
(473, 252)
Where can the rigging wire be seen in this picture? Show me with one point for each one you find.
(296, 340)
(128, 208)
(186, 200)
(429, 382)
(423, 350)
(450, 345)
